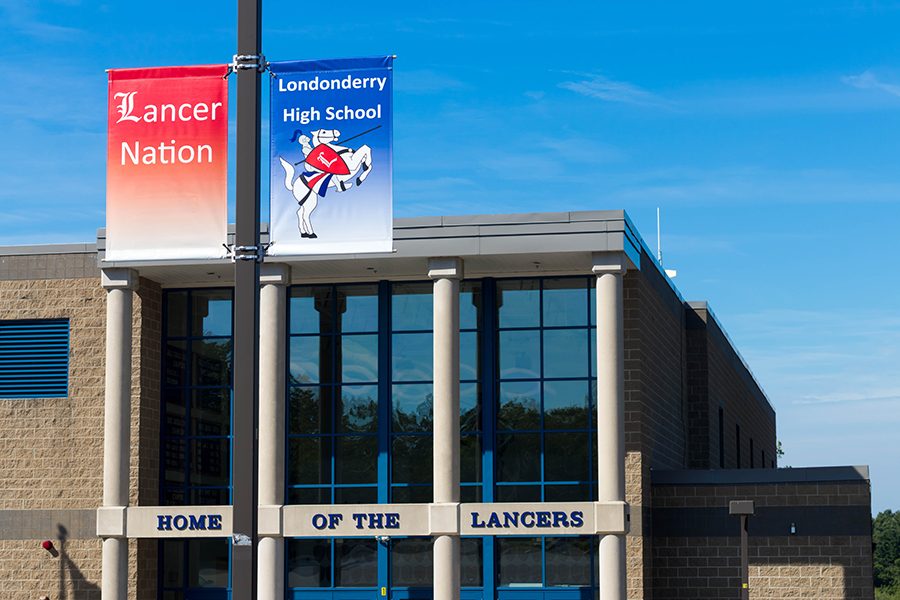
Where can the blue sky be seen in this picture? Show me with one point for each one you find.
(766, 133)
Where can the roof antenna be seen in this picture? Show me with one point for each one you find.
(670, 273)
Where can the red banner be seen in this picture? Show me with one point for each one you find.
(167, 163)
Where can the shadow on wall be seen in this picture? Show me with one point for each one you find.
(79, 586)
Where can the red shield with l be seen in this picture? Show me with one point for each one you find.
(324, 158)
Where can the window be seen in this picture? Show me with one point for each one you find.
(34, 358)
(545, 421)
(196, 421)
(721, 438)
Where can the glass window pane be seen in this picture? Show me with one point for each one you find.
(518, 493)
(412, 562)
(565, 302)
(471, 554)
(566, 405)
(358, 308)
(568, 561)
(469, 407)
(208, 563)
(211, 412)
(311, 310)
(173, 456)
(566, 457)
(518, 303)
(520, 356)
(593, 297)
(358, 409)
(309, 359)
(356, 563)
(211, 362)
(176, 314)
(309, 410)
(593, 352)
(411, 459)
(356, 459)
(308, 563)
(412, 406)
(412, 494)
(519, 561)
(516, 455)
(309, 496)
(173, 497)
(173, 563)
(210, 312)
(470, 305)
(566, 353)
(411, 355)
(412, 307)
(470, 458)
(469, 493)
(356, 495)
(176, 363)
(175, 411)
(468, 356)
(209, 496)
(359, 358)
(567, 493)
(309, 460)
(520, 405)
(210, 462)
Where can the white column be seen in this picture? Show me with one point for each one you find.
(119, 284)
(609, 269)
(446, 273)
(273, 280)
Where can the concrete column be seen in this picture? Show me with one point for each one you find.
(273, 280)
(119, 284)
(446, 273)
(610, 269)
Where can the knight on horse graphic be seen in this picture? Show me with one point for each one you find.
(325, 165)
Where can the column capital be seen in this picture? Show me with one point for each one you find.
(274, 274)
(609, 263)
(119, 279)
(445, 267)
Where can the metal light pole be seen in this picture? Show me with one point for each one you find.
(247, 254)
(744, 509)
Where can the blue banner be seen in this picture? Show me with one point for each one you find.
(331, 150)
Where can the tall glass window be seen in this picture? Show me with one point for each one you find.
(196, 419)
(195, 465)
(545, 420)
(333, 403)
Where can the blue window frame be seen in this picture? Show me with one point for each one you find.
(195, 435)
(527, 392)
(34, 358)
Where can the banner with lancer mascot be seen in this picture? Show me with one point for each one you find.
(330, 171)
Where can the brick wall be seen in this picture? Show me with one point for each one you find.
(696, 544)
(51, 449)
(718, 378)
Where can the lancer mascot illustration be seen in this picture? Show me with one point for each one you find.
(326, 165)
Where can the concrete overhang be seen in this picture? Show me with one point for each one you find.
(509, 245)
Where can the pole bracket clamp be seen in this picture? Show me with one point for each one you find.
(256, 253)
(244, 62)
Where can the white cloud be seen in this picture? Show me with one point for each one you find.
(609, 90)
(867, 80)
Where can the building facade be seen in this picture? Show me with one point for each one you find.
(499, 409)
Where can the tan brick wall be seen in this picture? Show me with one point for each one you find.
(29, 572)
(51, 450)
(638, 542)
(817, 568)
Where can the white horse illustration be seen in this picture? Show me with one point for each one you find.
(326, 165)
